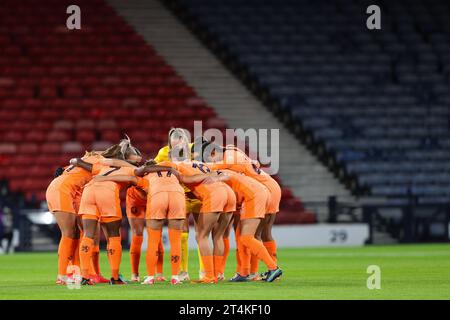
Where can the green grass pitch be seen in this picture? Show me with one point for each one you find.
(407, 272)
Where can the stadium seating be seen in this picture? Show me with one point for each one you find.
(374, 105)
(63, 92)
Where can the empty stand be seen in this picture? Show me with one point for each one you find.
(373, 105)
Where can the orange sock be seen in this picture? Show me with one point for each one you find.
(254, 264)
(94, 268)
(65, 254)
(154, 237)
(175, 250)
(226, 244)
(218, 263)
(271, 247)
(257, 248)
(238, 254)
(135, 253)
(76, 254)
(160, 262)
(115, 255)
(208, 262)
(244, 258)
(86, 247)
(107, 255)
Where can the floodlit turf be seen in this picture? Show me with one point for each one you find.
(407, 272)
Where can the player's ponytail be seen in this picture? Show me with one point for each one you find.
(120, 150)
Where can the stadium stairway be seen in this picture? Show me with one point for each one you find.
(299, 169)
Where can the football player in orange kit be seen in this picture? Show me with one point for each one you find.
(166, 201)
(136, 203)
(100, 202)
(63, 197)
(249, 182)
(235, 159)
(218, 204)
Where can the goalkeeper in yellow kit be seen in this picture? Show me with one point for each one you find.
(177, 137)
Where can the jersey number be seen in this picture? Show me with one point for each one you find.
(111, 171)
(201, 167)
(169, 174)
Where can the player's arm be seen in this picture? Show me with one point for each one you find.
(219, 165)
(142, 171)
(116, 163)
(203, 178)
(81, 164)
(118, 178)
(221, 176)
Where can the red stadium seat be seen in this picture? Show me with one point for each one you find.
(47, 92)
(28, 148)
(63, 92)
(13, 136)
(58, 136)
(85, 124)
(101, 145)
(85, 136)
(106, 124)
(111, 135)
(63, 125)
(73, 92)
(72, 146)
(51, 148)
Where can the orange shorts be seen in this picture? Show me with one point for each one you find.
(102, 219)
(77, 201)
(220, 199)
(135, 208)
(256, 207)
(166, 205)
(101, 202)
(61, 198)
(231, 204)
(273, 205)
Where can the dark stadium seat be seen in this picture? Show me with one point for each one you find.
(373, 105)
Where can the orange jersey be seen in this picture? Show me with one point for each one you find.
(191, 168)
(137, 195)
(245, 187)
(236, 160)
(102, 170)
(73, 179)
(156, 182)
